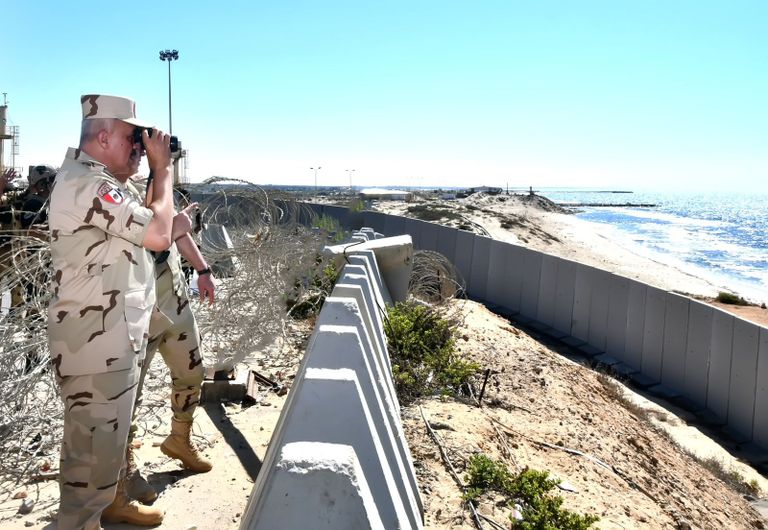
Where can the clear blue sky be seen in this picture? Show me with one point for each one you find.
(644, 94)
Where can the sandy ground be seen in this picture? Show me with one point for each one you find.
(541, 405)
(232, 435)
(634, 468)
(623, 456)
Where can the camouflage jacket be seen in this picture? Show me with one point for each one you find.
(103, 279)
(172, 261)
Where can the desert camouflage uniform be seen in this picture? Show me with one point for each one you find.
(176, 337)
(10, 227)
(98, 323)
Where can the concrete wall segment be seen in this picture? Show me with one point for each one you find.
(675, 341)
(338, 347)
(340, 213)
(743, 384)
(698, 345)
(721, 350)
(512, 262)
(331, 408)
(346, 312)
(564, 292)
(653, 332)
(374, 220)
(358, 287)
(412, 227)
(478, 281)
(760, 422)
(462, 257)
(446, 243)
(633, 345)
(582, 297)
(547, 290)
(394, 256)
(497, 272)
(430, 236)
(367, 259)
(314, 485)
(598, 308)
(618, 305)
(394, 225)
(529, 283)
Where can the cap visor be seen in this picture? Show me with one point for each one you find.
(138, 123)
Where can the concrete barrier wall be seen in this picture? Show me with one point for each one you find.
(708, 358)
(338, 457)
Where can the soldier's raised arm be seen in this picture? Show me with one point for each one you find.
(159, 193)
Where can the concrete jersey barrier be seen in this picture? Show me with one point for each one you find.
(712, 362)
(338, 457)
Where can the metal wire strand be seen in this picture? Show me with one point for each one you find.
(270, 250)
(434, 278)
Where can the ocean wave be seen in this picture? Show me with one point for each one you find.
(718, 237)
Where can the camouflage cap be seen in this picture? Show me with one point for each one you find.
(97, 106)
(38, 173)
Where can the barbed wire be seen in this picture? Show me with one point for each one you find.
(270, 249)
(434, 278)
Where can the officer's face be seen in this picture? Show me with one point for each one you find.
(124, 153)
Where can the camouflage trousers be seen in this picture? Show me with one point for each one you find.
(17, 291)
(179, 345)
(97, 416)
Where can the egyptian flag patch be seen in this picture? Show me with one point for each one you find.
(110, 193)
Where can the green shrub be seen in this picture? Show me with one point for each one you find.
(309, 291)
(730, 298)
(531, 489)
(485, 474)
(332, 226)
(422, 352)
(356, 205)
(426, 212)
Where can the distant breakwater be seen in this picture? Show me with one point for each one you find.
(607, 204)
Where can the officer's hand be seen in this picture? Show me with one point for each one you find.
(7, 176)
(206, 287)
(158, 149)
(182, 222)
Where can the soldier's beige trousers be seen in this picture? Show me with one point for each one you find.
(97, 416)
(180, 347)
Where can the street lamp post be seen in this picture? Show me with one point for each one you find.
(169, 55)
(349, 172)
(316, 169)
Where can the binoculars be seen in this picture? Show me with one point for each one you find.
(137, 139)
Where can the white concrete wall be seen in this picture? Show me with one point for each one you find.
(394, 258)
(710, 359)
(338, 457)
(304, 473)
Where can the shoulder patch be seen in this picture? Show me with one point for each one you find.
(110, 193)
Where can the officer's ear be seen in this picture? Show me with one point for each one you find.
(102, 138)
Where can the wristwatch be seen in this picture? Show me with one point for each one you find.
(204, 271)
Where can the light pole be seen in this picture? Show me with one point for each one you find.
(316, 169)
(349, 172)
(169, 55)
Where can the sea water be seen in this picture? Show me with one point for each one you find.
(721, 237)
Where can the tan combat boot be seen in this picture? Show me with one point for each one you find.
(179, 445)
(136, 486)
(124, 510)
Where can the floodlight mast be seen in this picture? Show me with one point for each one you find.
(316, 169)
(169, 55)
(349, 172)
